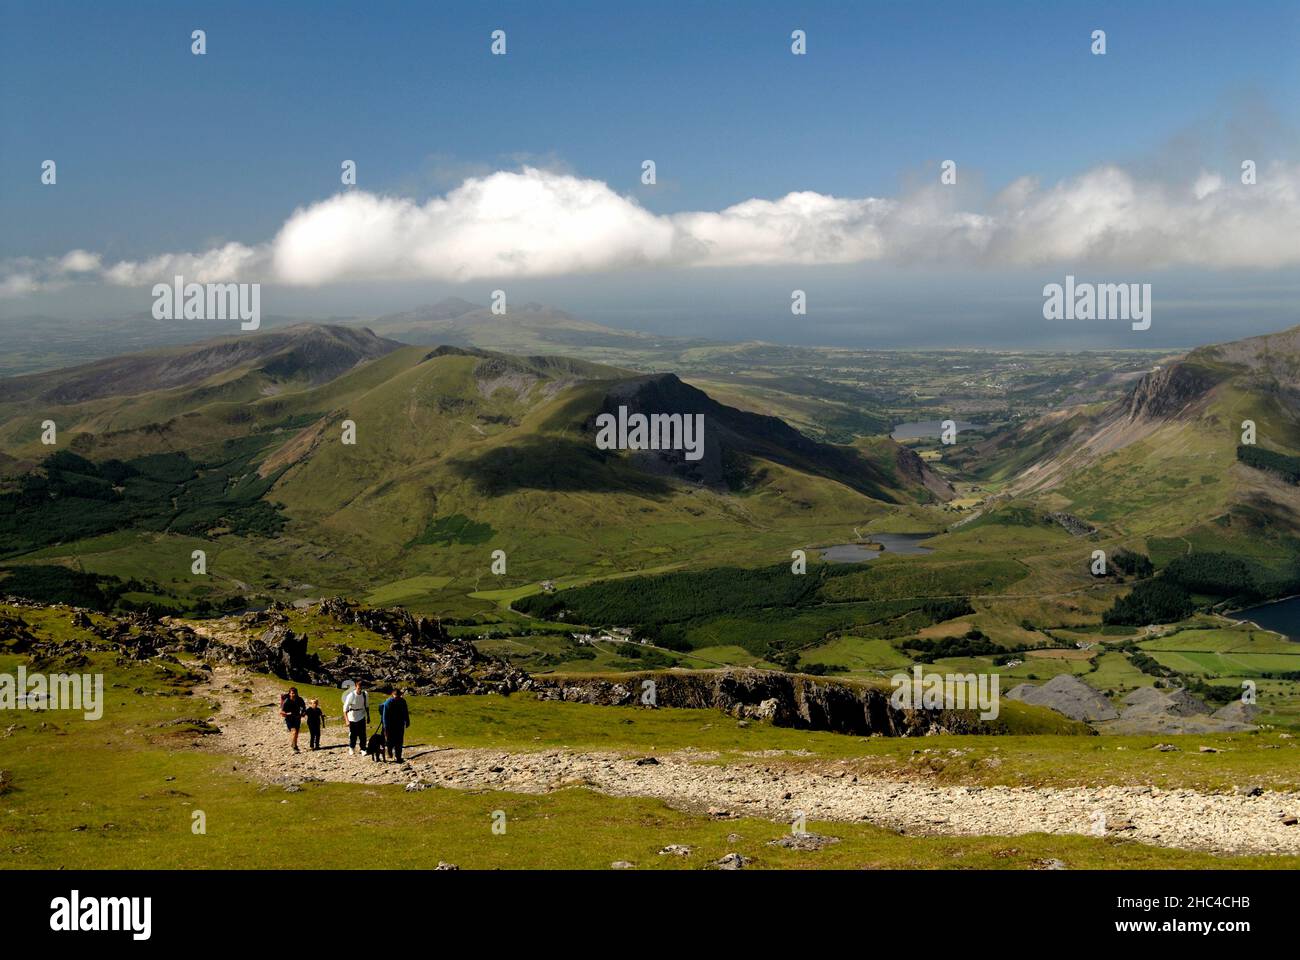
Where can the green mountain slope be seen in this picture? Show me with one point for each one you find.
(458, 453)
(1162, 464)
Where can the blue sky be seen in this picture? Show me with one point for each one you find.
(159, 150)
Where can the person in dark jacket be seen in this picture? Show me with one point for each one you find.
(292, 708)
(395, 716)
(315, 716)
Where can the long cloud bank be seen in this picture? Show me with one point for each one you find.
(534, 222)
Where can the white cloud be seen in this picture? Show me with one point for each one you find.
(531, 223)
(234, 261)
(535, 222)
(1206, 184)
(19, 285)
(79, 261)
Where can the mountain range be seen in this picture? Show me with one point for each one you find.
(236, 446)
(458, 451)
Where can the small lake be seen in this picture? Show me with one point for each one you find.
(1282, 616)
(929, 429)
(901, 543)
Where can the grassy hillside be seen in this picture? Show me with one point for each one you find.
(124, 800)
(123, 791)
(458, 454)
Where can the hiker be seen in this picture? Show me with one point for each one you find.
(383, 708)
(292, 709)
(315, 717)
(356, 711)
(395, 717)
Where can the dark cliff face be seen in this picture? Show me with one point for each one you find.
(1168, 391)
(911, 466)
(787, 700)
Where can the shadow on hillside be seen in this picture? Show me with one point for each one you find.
(553, 463)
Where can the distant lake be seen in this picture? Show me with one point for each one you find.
(1282, 616)
(902, 543)
(930, 429)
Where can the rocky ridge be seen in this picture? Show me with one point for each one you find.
(784, 699)
(421, 657)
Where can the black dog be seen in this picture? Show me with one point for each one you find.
(375, 746)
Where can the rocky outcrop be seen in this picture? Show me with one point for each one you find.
(1072, 524)
(394, 622)
(15, 631)
(911, 466)
(134, 636)
(448, 667)
(1167, 391)
(421, 657)
(784, 699)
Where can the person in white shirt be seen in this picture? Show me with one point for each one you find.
(356, 711)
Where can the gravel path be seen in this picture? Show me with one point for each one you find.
(763, 787)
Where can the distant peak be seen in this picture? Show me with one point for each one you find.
(456, 303)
